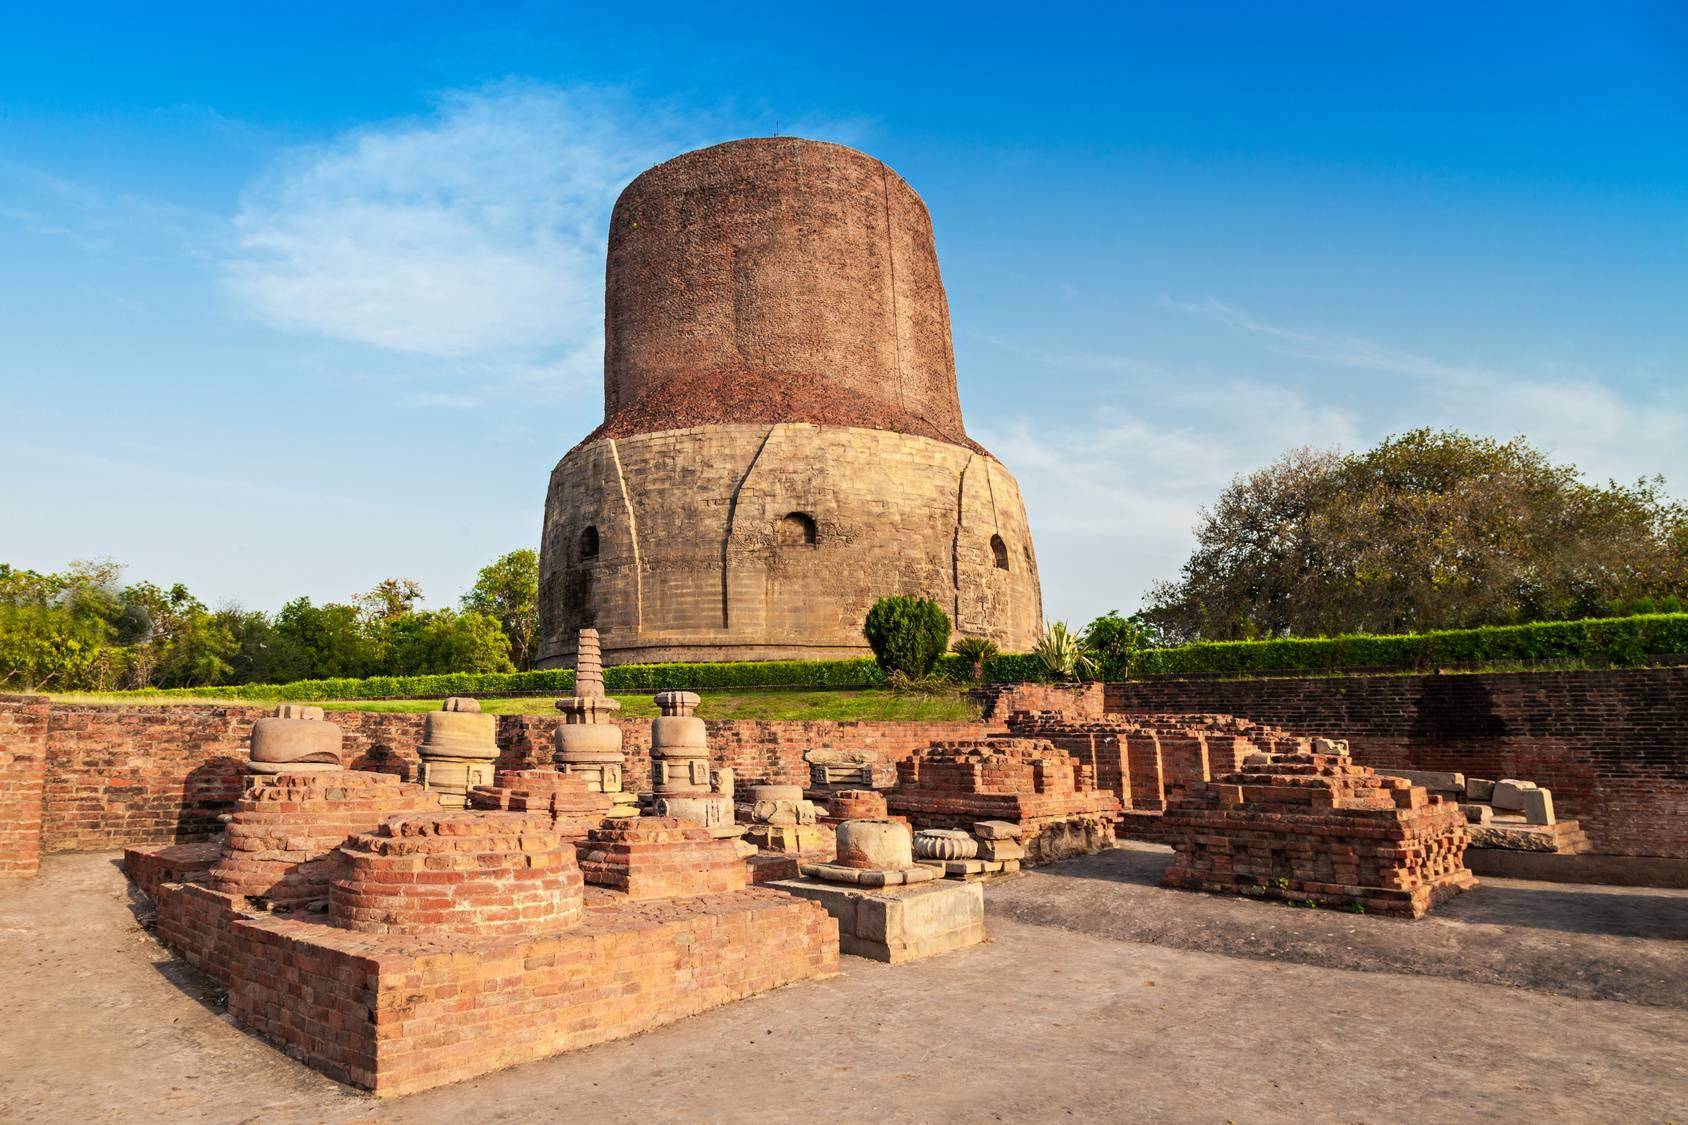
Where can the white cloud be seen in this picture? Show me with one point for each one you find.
(476, 231)
(1584, 418)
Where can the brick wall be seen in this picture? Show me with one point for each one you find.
(1612, 745)
(120, 775)
(23, 758)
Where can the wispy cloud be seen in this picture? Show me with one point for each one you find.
(475, 231)
(1342, 351)
(1587, 418)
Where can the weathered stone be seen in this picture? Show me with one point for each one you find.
(459, 747)
(1431, 779)
(1478, 814)
(1538, 806)
(996, 830)
(875, 844)
(999, 850)
(1509, 793)
(944, 843)
(295, 740)
(899, 923)
(1479, 789)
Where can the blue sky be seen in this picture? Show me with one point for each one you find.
(294, 299)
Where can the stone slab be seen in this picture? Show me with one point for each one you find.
(1509, 793)
(1431, 779)
(898, 924)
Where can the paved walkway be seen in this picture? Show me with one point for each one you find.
(1055, 1020)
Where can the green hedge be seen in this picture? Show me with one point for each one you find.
(1617, 641)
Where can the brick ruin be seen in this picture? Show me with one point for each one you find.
(398, 947)
(1316, 828)
(956, 784)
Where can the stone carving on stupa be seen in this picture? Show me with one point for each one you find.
(780, 819)
(459, 750)
(296, 739)
(588, 742)
(682, 784)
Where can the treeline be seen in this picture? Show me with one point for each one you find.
(84, 629)
(1432, 529)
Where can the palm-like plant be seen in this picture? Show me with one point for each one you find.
(1061, 654)
(975, 651)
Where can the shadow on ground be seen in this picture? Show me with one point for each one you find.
(1587, 942)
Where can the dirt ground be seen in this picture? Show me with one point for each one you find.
(1236, 1012)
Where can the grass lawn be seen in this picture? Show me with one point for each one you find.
(770, 703)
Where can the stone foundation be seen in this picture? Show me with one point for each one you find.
(899, 923)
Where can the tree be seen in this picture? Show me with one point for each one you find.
(390, 598)
(318, 642)
(420, 644)
(907, 634)
(507, 590)
(1111, 641)
(1431, 529)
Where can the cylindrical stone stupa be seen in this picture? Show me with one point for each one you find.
(783, 441)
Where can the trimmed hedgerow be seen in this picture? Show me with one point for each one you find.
(1615, 641)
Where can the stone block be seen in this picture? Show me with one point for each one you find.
(1538, 805)
(999, 850)
(1431, 779)
(898, 924)
(1477, 814)
(996, 830)
(1479, 789)
(1509, 793)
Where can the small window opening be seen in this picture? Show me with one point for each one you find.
(999, 550)
(588, 544)
(797, 530)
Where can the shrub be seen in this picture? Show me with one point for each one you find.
(1061, 655)
(975, 651)
(1111, 641)
(907, 634)
(1615, 641)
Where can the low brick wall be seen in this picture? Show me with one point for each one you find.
(1612, 745)
(23, 761)
(85, 777)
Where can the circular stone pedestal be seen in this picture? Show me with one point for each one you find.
(466, 872)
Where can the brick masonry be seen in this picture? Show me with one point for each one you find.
(1612, 745)
(23, 762)
(81, 777)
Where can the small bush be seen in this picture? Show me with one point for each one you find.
(907, 634)
(974, 651)
(1061, 655)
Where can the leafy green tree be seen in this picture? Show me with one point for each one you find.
(445, 641)
(1111, 641)
(907, 634)
(507, 590)
(55, 629)
(318, 642)
(1430, 530)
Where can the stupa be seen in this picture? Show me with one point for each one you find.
(782, 442)
(588, 742)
